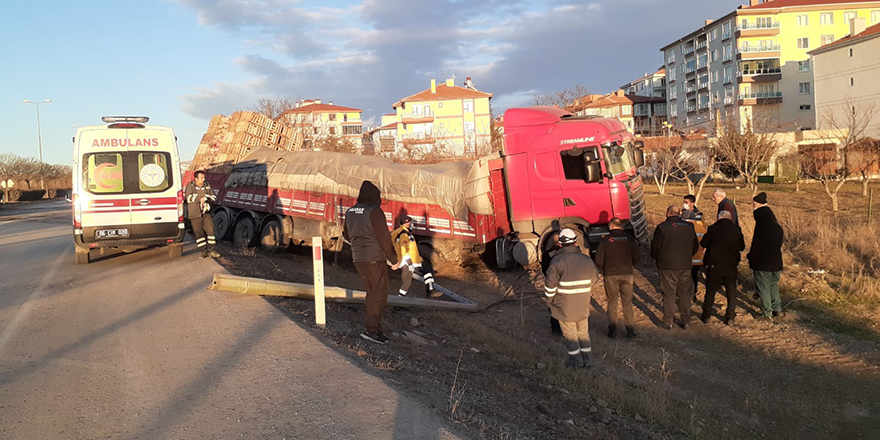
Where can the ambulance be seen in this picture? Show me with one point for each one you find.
(127, 191)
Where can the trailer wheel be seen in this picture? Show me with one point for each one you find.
(222, 225)
(175, 250)
(272, 238)
(245, 232)
(82, 257)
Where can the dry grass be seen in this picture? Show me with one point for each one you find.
(832, 261)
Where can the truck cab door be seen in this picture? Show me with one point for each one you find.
(544, 190)
(590, 201)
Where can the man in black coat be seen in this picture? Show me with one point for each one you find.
(765, 256)
(723, 242)
(618, 253)
(673, 245)
(724, 204)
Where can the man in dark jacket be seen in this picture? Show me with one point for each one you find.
(371, 251)
(673, 245)
(567, 287)
(723, 242)
(724, 204)
(199, 196)
(618, 253)
(765, 256)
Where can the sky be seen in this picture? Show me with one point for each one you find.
(182, 61)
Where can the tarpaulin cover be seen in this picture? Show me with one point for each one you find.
(457, 187)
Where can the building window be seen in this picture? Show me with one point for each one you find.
(804, 107)
(714, 76)
(332, 116)
(850, 52)
(468, 127)
(726, 53)
(803, 43)
(851, 81)
(417, 109)
(714, 55)
(626, 110)
(440, 126)
(826, 18)
(728, 74)
(826, 39)
(427, 110)
(849, 15)
(803, 66)
(803, 20)
(440, 104)
(804, 88)
(875, 17)
(469, 106)
(714, 97)
(333, 130)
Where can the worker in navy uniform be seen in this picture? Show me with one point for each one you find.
(372, 252)
(199, 198)
(567, 288)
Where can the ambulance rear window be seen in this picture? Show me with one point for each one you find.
(128, 172)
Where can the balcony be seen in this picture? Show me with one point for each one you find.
(417, 138)
(416, 118)
(760, 98)
(702, 65)
(758, 52)
(760, 75)
(702, 106)
(687, 51)
(691, 108)
(757, 30)
(725, 35)
(691, 88)
(689, 69)
(728, 100)
(670, 60)
(703, 85)
(702, 44)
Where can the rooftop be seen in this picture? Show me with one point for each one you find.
(868, 32)
(776, 4)
(444, 92)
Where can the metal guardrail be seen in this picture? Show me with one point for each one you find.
(761, 95)
(751, 49)
(756, 26)
(750, 72)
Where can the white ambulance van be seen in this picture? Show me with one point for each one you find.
(127, 191)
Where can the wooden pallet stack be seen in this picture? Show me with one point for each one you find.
(229, 138)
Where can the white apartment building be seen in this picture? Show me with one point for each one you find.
(651, 85)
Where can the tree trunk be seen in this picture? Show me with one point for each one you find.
(797, 185)
(691, 187)
(834, 202)
(865, 181)
(661, 187)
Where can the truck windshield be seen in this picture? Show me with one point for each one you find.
(615, 162)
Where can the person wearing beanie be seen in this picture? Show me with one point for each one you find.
(765, 257)
(567, 290)
(372, 251)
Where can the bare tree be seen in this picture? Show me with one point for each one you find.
(688, 163)
(273, 107)
(843, 128)
(26, 169)
(864, 160)
(748, 149)
(7, 163)
(663, 159)
(566, 98)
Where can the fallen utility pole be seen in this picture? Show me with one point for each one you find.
(263, 287)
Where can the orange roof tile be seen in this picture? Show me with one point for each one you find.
(321, 108)
(444, 92)
(873, 30)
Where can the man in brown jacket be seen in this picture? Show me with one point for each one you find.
(372, 251)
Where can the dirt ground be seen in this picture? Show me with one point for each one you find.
(499, 373)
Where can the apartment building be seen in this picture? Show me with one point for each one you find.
(651, 85)
(643, 115)
(455, 118)
(846, 75)
(753, 63)
(384, 137)
(318, 121)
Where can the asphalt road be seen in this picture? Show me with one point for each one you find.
(133, 346)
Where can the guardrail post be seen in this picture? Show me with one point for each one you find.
(318, 261)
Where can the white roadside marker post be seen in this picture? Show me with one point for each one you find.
(317, 258)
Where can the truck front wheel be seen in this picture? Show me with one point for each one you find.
(245, 232)
(82, 257)
(222, 224)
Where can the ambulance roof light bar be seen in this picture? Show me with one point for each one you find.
(135, 119)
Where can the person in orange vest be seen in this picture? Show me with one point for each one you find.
(697, 260)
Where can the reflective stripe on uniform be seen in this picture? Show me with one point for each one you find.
(575, 283)
(574, 353)
(549, 289)
(571, 291)
(587, 350)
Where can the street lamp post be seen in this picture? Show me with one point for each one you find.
(39, 135)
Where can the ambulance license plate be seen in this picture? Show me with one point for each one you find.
(111, 233)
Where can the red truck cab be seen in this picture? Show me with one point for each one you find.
(563, 170)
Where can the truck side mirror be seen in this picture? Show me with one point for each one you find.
(592, 171)
(639, 157)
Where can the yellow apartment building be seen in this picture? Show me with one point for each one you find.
(318, 121)
(753, 62)
(455, 119)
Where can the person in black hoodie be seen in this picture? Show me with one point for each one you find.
(765, 256)
(673, 245)
(618, 253)
(371, 251)
(723, 242)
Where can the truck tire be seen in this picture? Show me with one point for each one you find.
(82, 257)
(222, 225)
(245, 233)
(272, 237)
(175, 250)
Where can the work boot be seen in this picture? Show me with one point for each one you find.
(779, 314)
(575, 362)
(612, 330)
(630, 332)
(588, 361)
(204, 254)
(378, 338)
(401, 292)
(432, 292)
(212, 252)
